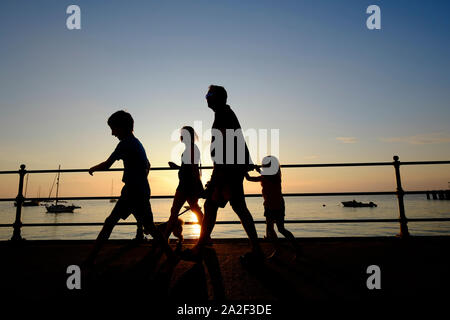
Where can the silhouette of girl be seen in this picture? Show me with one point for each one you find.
(274, 209)
(190, 187)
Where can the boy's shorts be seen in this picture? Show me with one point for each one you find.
(133, 203)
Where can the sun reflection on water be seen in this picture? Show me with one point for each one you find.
(194, 228)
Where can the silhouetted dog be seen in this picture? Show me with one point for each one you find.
(177, 229)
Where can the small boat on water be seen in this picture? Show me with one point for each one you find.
(356, 204)
(60, 208)
(28, 203)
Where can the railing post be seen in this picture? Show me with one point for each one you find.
(401, 206)
(19, 201)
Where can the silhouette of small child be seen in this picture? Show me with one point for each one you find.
(274, 208)
(135, 195)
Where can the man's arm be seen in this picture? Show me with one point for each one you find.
(105, 165)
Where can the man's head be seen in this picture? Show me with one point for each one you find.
(121, 124)
(216, 97)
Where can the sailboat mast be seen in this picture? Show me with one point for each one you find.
(57, 184)
(26, 186)
(51, 189)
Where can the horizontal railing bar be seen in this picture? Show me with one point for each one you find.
(311, 165)
(321, 165)
(410, 163)
(10, 172)
(362, 164)
(252, 195)
(399, 193)
(87, 170)
(90, 224)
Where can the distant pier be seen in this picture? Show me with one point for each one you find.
(438, 195)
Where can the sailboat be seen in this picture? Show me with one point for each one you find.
(50, 192)
(59, 208)
(29, 203)
(356, 204)
(112, 186)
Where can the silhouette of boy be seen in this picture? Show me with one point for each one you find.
(226, 182)
(135, 195)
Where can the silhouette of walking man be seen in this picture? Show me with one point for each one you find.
(232, 161)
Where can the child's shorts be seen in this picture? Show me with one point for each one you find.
(274, 214)
(133, 203)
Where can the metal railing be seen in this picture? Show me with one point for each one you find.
(400, 193)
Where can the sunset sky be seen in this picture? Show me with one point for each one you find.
(336, 91)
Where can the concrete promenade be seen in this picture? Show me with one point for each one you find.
(331, 269)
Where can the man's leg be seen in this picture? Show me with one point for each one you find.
(240, 207)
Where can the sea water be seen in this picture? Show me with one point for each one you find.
(297, 208)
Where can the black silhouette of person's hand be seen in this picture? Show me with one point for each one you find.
(256, 168)
(172, 165)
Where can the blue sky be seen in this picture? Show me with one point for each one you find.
(336, 90)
